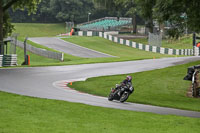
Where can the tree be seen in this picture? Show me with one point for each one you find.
(179, 13)
(31, 5)
(172, 12)
(110, 6)
(70, 10)
(146, 8)
(105, 3)
(193, 15)
(53, 11)
(7, 26)
(131, 9)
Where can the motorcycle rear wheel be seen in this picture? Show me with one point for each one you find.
(110, 97)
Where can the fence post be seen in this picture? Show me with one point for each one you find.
(194, 42)
(62, 58)
(25, 55)
(25, 46)
(15, 43)
(1, 48)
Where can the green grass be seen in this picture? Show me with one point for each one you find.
(162, 87)
(38, 29)
(35, 60)
(121, 51)
(183, 43)
(21, 114)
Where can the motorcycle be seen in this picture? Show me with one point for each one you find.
(120, 93)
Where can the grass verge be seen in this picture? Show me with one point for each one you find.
(121, 51)
(21, 114)
(39, 29)
(162, 87)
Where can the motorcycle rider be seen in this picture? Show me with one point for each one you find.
(127, 84)
(122, 92)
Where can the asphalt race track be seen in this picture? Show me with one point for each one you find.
(50, 82)
(67, 47)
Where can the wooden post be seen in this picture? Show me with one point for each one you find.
(25, 55)
(194, 42)
(1, 48)
(1, 28)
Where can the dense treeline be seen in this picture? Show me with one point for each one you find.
(178, 13)
(53, 11)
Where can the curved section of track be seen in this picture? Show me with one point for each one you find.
(67, 47)
(43, 82)
(103, 101)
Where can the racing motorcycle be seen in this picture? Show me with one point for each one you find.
(120, 93)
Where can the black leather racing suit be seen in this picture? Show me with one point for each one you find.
(127, 85)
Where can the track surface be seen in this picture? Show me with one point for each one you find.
(44, 82)
(67, 47)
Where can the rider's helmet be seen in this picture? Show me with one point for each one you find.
(128, 78)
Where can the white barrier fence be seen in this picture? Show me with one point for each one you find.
(1, 60)
(144, 47)
(8, 60)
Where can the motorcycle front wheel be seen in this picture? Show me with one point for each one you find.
(124, 97)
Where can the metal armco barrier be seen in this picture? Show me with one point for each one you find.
(8, 60)
(42, 52)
